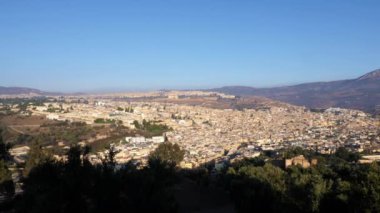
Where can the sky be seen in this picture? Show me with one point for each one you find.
(93, 45)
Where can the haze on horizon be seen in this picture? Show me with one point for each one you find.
(85, 45)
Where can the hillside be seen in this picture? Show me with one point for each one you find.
(18, 91)
(22, 91)
(362, 93)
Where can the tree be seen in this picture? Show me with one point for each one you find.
(257, 189)
(109, 159)
(293, 152)
(6, 183)
(36, 156)
(168, 152)
(346, 155)
(76, 185)
(305, 189)
(7, 187)
(4, 149)
(137, 124)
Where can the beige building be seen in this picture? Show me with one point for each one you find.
(300, 160)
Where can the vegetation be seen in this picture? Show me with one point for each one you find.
(55, 109)
(168, 153)
(151, 128)
(7, 187)
(207, 123)
(103, 144)
(104, 121)
(336, 184)
(37, 156)
(55, 136)
(78, 186)
(34, 101)
(177, 117)
(129, 109)
(68, 133)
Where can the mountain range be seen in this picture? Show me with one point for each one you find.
(28, 91)
(362, 93)
(19, 90)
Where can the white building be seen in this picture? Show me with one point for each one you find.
(158, 139)
(52, 116)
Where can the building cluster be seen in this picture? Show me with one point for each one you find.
(218, 134)
(132, 149)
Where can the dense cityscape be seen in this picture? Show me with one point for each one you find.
(128, 128)
(217, 134)
(189, 106)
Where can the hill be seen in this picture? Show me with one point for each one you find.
(25, 91)
(362, 93)
(18, 91)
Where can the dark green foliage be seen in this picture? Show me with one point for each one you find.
(6, 183)
(177, 117)
(67, 132)
(129, 109)
(347, 155)
(78, 186)
(70, 133)
(22, 103)
(292, 152)
(258, 161)
(36, 157)
(336, 184)
(257, 189)
(151, 128)
(305, 189)
(4, 148)
(167, 152)
(104, 121)
(137, 124)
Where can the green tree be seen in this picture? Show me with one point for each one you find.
(6, 183)
(292, 152)
(168, 152)
(346, 155)
(258, 189)
(7, 187)
(4, 148)
(305, 189)
(36, 156)
(78, 186)
(338, 198)
(137, 124)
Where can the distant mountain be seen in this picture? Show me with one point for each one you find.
(362, 93)
(19, 91)
(28, 91)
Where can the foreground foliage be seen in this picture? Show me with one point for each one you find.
(78, 186)
(7, 188)
(337, 184)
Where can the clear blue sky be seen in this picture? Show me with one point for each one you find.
(84, 45)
